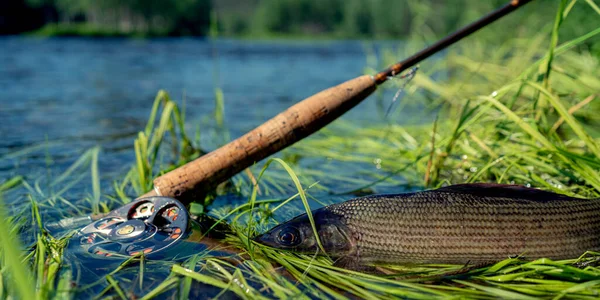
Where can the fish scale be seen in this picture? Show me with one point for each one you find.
(476, 223)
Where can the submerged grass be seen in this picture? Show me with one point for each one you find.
(514, 114)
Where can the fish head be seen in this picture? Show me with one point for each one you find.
(298, 235)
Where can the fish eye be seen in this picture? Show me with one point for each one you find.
(289, 236)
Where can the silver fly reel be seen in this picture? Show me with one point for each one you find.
(145, 226)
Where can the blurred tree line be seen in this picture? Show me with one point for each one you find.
(156, 17)
(383, 18)
(260, 18)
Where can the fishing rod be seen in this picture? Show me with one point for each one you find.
(192, 180)
(195, 178)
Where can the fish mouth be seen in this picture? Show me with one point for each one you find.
(264, 239)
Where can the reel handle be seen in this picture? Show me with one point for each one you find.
(72, 223)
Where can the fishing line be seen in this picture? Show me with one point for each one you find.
(403, 80)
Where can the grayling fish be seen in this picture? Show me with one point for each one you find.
(477, 223)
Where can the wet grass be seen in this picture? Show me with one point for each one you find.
(524, 113)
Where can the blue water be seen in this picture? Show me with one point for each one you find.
(61, 97)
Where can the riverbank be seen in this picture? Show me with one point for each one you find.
(90, 31)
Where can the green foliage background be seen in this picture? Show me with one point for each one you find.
(284, 18)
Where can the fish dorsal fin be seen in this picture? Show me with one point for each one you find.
(494, 190)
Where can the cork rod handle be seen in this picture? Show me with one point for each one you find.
(297, 122)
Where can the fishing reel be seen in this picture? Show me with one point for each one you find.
(146, 226)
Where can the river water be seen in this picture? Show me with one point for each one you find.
(61, 97)
(69, 94)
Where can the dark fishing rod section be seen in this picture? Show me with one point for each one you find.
(399, 67)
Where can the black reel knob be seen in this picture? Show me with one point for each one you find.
(147, 226)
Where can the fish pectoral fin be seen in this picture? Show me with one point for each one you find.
(351, 262)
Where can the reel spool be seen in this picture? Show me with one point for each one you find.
(146, 226)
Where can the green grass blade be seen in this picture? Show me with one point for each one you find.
(503, 294)
(569, 119)
(95, 181)
(520, 122)
(115, 285)
(593, 5)
(11, 183)
(187, 281)
(19, 274)
(161, 288)
(157, 100)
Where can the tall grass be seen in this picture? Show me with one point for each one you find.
(524, 115)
